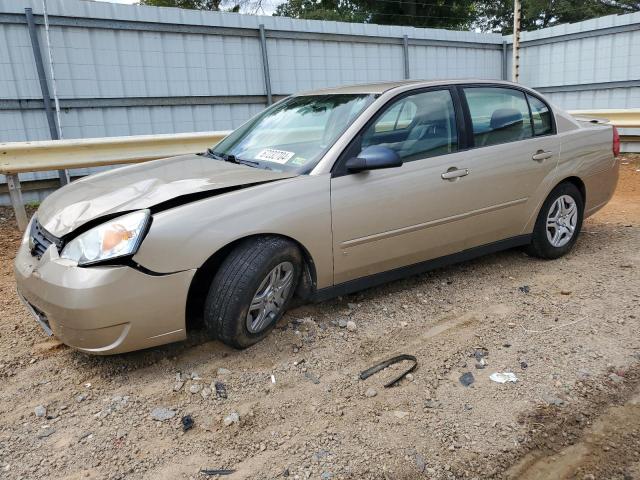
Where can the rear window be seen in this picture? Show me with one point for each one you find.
(498, 115)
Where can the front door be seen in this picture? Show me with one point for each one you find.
(385, 219)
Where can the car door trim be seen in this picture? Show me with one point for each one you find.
(421, 226)
(376, 279)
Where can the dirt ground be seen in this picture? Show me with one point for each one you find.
(568, 329)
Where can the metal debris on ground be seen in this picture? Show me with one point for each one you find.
(221, 390)
(187, 423)
(524, 289)
(480, 353)
(212, 472)
(466, 379)
(503, 377)
(386, 363)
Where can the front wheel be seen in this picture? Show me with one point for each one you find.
(251, 290)
(558, 223)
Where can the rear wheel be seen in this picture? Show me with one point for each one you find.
(558, 223)
(251, 290)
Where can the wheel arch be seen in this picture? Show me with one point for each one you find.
(535, 212)
(579, 184)
(204, 275)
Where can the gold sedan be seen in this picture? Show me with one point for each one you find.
(322, 194)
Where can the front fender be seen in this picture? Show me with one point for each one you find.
(186, 236)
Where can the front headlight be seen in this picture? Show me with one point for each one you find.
(113, 239)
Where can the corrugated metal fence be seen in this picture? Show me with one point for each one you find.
(587, 65)
(126, 70)
(131, 70)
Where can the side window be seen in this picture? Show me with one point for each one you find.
(498, 115)
(399, 116)
(417, 126)
(407, 114)
(541, 116)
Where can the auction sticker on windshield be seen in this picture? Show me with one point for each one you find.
(273, 155)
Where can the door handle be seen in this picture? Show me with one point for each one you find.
(453, 173)
(541, 155)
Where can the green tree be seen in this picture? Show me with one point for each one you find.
(336, 10)
(497, 15)
(417, 13)
(215, 5)
(191, 4)
(486, 15)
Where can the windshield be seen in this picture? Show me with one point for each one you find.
(294, 134)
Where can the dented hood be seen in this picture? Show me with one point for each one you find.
(143, 186)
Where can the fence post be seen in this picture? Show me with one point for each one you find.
(515, 67)
(405, 50)
(15, 194)
(265, 64)
(504, 61)
(44, 85)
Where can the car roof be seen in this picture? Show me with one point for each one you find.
(381, 87)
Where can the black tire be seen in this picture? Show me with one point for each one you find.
(237, 281)
(541, 246)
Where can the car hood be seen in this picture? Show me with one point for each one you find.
(144, 185)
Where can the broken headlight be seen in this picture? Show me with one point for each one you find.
(119, 237)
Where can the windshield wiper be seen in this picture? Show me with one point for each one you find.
(212, 154)
(233, 159)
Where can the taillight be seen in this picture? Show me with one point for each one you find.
(616, 142)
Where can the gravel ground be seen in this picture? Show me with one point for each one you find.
(294, 407)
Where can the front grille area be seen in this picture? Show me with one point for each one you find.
(40, 239)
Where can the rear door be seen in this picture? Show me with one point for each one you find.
(514, 152)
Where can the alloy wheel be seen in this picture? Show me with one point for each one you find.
(270, 297)
(562, 220)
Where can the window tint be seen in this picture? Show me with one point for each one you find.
(416, 126)
(541, 116)
(498, 115)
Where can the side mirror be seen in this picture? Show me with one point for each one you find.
(374, 158)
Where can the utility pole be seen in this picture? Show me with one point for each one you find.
(515, 62)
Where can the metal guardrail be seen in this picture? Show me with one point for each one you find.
(621, 118)
(20, 157)
(38, 156)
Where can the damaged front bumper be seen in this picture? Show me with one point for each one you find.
(103, 309)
